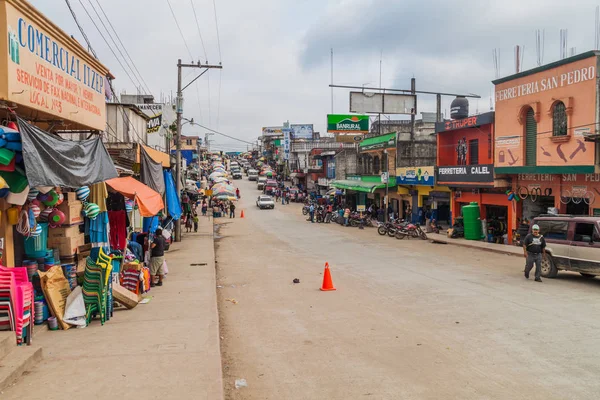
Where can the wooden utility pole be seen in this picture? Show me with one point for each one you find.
(180, 90)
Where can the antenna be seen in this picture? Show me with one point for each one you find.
(563, 43)
(519, 52)
(573, 51)
(332, 80)
(496, 61)
(540, 37)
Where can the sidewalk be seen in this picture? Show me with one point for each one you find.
(474, 244)
(166, 349)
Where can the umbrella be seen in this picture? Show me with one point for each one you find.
(220, 179)
(225, 196)
(216, 174)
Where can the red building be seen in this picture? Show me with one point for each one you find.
(465, 159)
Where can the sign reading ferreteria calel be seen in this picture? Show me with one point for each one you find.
(424, 176)
(481, 173)
(47, 71)
(345, 123)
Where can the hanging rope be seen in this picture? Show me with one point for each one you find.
(23, 226)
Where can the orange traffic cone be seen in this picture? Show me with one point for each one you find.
(327, 283)
(242, 215)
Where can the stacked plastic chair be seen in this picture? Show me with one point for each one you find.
(16, 300)
(96, 285)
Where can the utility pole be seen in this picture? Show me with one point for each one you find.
(180, 90)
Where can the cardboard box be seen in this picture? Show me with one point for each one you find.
(125, 297)
(64, 231)
(66, 245)
(72, 211)
(70, 197)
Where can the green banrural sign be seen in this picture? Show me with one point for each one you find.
(347, 123)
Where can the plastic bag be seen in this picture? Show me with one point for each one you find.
(75, 309)
(165, 267)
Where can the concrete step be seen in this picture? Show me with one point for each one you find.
(8, 341)
(15, 363)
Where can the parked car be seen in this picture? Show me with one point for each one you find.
(261, 182)
(265, 202)
(252, 175)
(572, 244)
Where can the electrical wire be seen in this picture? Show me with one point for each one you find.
(87, 41)
(123, 46)
(180, 31)
(222, 134)
(218, 36)
(115, 43)
(107, 44)
(220, 61)
(199, 32)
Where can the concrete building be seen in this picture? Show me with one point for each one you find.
(125, 123)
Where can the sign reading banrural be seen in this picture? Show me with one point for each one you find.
(337, 123)
(51, 76)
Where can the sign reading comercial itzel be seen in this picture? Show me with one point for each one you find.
(347, 123)
(49, 72)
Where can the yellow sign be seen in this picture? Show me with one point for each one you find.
(47, 71)
(208, 192)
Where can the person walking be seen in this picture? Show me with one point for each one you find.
(311, 212)
(534, 247)
(196, 222)
(188, 222)
(204, 208)
(232, 211)
(283, 200)
(287, 197)
(237, 193)
(157, 258)
(346, 216)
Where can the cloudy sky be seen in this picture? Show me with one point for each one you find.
(276, 53)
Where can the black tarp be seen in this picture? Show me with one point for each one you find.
(54, 161)
(151, 172)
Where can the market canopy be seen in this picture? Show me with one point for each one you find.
(149, 201)
(359, 186)
(379, 142)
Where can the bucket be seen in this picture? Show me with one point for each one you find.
(52, 324)
(35, 247)
(12, 214)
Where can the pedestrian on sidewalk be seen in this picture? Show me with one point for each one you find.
(204, 208)
(311, 212)
(534, 247)
(346, 216)
(196, 222)
(188, 222)
(232, 211)
(157, 258)
(287, 197)
(237, 193)
(282, 200)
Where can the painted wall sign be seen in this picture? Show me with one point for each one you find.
(343, 123)
(302, 131)
(469, 122)
(286, 143)
(272, 130)
(424, 176)
(482, 173)
(50, 73)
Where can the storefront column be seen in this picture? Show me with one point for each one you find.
(6, 233)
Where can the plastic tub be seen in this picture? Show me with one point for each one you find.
(36, 247)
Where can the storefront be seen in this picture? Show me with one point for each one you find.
(421, 197)
(546, 133)
(466, 165)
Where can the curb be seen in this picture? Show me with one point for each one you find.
(491, 250)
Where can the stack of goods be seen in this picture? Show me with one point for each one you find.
(49, 260)
(96, 285)
(130, 280)
(32, 268)
(39, 312)
(70, 271)
(65, 230)
(16, 302)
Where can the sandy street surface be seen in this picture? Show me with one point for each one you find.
(409, 319)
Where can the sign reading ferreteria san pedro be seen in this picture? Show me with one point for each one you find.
(47, 71)
(347, 123)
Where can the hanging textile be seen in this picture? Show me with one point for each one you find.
(173, 204)
(151, 172)
(54, 161)
(118, 231)
(98, 195)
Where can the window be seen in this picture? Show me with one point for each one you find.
(559, 119)
(530, 138)
(376, 165)
(188, 142)
(474, 152)
(584, 232)
(556, 230)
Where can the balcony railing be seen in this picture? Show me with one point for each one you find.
(308, 146)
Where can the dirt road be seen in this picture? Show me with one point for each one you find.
(409, 319)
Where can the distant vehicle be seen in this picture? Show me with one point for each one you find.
(270, 186)
(296, 195)
(261, 182)
(265, 202)
(572, 244)
(237, 174)
(252, 175)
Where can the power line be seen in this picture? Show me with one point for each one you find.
(199, 33)
(107, 44)
(81, 29)
(180, 32)
(222, 134)
(122, 45)
(115, 43)
(217, 25)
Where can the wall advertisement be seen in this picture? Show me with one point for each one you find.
(272, 130)
(347, 123)
(49, 72)
(302, 131)
(286, 143)
(424, 176)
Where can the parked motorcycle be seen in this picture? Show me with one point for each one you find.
(411, 230)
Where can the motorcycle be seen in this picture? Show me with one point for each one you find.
(411, 230)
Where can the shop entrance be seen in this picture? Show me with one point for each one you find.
(578, 209)
(497, 223)
(532, 209)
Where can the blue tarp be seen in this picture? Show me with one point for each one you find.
(173, 204)
(149, 224)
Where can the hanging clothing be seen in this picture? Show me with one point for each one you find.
(118, 231)
(99, 230)
(98, 195)
(115, 202)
